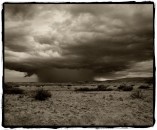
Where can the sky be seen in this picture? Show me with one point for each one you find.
(77, 42)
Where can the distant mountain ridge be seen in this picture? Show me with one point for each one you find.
(134, 79)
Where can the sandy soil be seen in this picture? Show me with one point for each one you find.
(73, 108)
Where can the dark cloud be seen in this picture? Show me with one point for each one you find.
(19, 11)
(79, 42)
(16, 41)
(64, 75)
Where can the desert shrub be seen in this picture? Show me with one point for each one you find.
(9, 89)
(37, 85)
(16, 86)
(143, 87)
(149, 82)
(42, 95)
(101, 87)
(7, 86)
(68, 87)
(108, 89)
(128, 88)
(125, 88)
(110, 97)
(59, 84)
(83, 89)
(13, 91)
(120, 99)
(136, 94)
(121, 87)
(104, 97)
(20, 96)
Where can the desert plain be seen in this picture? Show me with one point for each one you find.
(80, 104)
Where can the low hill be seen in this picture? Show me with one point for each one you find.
(135, 79)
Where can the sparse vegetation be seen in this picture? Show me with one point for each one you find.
(83, 89)
(110, 97)
(38, 85)
(137, 94)
(125, 88)
(16, 86)
(108, 89)
(68, 87)
(37, 105)
(99, 88)
(120, 99)
(8, 89)
(42, 95)
(121, 87)
(14, 91)
(102, 87)
(143, 87)
(128, 88)
(7, 86)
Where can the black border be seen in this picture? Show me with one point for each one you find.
(102, 126)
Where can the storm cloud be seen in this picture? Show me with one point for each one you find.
(76, 42)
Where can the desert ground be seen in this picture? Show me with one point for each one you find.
(68, 105)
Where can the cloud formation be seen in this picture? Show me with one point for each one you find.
(68, 42)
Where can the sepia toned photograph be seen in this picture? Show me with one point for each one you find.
(77, 64)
